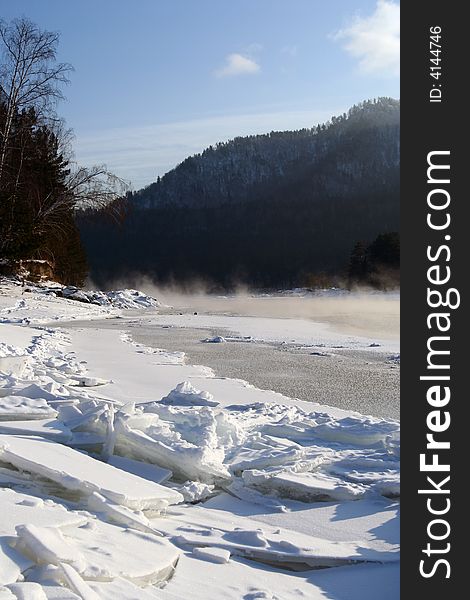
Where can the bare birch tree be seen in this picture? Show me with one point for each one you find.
(30, 76)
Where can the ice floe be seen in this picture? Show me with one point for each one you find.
(78, 472)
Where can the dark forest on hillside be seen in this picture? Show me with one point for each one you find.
(276, 210)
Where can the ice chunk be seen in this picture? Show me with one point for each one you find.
(186, 395)
(194, 491)
(242, 537)
(215, 555)
(47, 545)
(165, 443)
(306, 487)
(12, 563)
(46, 428)
(110, 552)
(119, 514)
(360, 431)
(86, 381)
(295, 551)
(46, 392)
(18, 508)
(142, 469)
(77, 584)
(13, 408)
(261, 451)
(76, 471)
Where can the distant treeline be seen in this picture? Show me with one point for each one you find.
(36, 213)
(376, 264)
(278, 210)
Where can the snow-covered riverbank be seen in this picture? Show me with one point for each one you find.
(128, 473)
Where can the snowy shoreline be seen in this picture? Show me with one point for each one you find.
(356, 378)
(252, 491)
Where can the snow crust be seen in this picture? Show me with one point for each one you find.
(37, 303)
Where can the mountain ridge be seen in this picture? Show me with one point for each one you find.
(269, 211)
(271, 155)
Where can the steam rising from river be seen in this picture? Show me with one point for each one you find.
(360, 312)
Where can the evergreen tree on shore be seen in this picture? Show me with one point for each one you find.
(40, 186)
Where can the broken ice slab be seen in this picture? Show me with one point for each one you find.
(305, 487)
(186, 395)
(17, 408)
(77, 584)
(87, 440)
(111, 552)
(49, 391)
(141, 469)
(79, 472)
(202, 527)
(214, 555)
(12, 563)
(19, 508)
(56, 592)
(85, 381)
(47, 428)
(114, 513)
(48, 546)
(161, 444)
(364, 431)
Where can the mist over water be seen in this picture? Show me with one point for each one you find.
(360, 312)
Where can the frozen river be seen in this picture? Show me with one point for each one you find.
(343, 352)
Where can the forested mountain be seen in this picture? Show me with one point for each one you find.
(267, 210)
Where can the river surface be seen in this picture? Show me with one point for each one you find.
(348, 376)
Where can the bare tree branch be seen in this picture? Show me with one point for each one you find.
(94, 187)
(30, 77)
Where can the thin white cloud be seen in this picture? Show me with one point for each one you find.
(237, 64)
(375, 40)
(140, 154)
(290, 50)
(253, 48)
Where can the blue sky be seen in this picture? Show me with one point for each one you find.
(158, 80)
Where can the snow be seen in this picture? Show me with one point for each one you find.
(54, 302)
(127, 473)
(27, 591)
(186, 395)
(128, 299)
